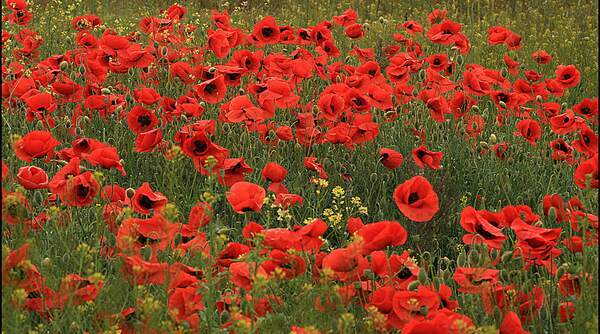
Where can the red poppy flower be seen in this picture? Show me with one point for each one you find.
(536, 244)
(311, 164)
(146, 95)
(246, 196)
(106, 157)
(35, 144)
(233, 171)
(587, 142)
(78, 290)
(141, 272)
(409, 305)
(186, 302)
(416, 199)
(554, 201)
(587, 169)
(274, 172)
(4, 171)
(475, 280)
(567, 76)
(423, 157)
(379, 235)
(212, 91)
(243, 274)
(348, 17)
(145, 199)
(80, 190)
(481, 227)
(267, 31)
(530, 130)
(140, 119)
(200, 215)
(587, 108)
(390, 158)
(512, 324)
(147, 141)
(354, 31)
(32, 177)
(444, 33)
(347, 263)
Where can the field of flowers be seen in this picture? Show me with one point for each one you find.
(299, 166)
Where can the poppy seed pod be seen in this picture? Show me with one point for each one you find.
(130, 192)
(146, 252)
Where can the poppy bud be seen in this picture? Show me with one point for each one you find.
(46, 262)
(446, 274)
(504, 275)
(413, 286)
(504, 72)
(82, 70)
(177, 239)
(184, 118)
(381, 20)
(212, 69)
(563, 106)
(105, 91)
(483, 144)
(475, 109)
(129, 192)
(242, 91)
(561, 270)
(502, 104)
(507, 256)
(164, 51)
(422, 277)
(461, 260)
(146, 253)
(129, 99)
(366, 26)
(225, 316)
(416, 238)
(423, 310)
(493, 139)
(422, 75)
(63, 65)
(538, 99)
(202, 104)
(494, 253)
(473, 257)
(460, 60)
(347, 59)
(552, 214)
(426, 256)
